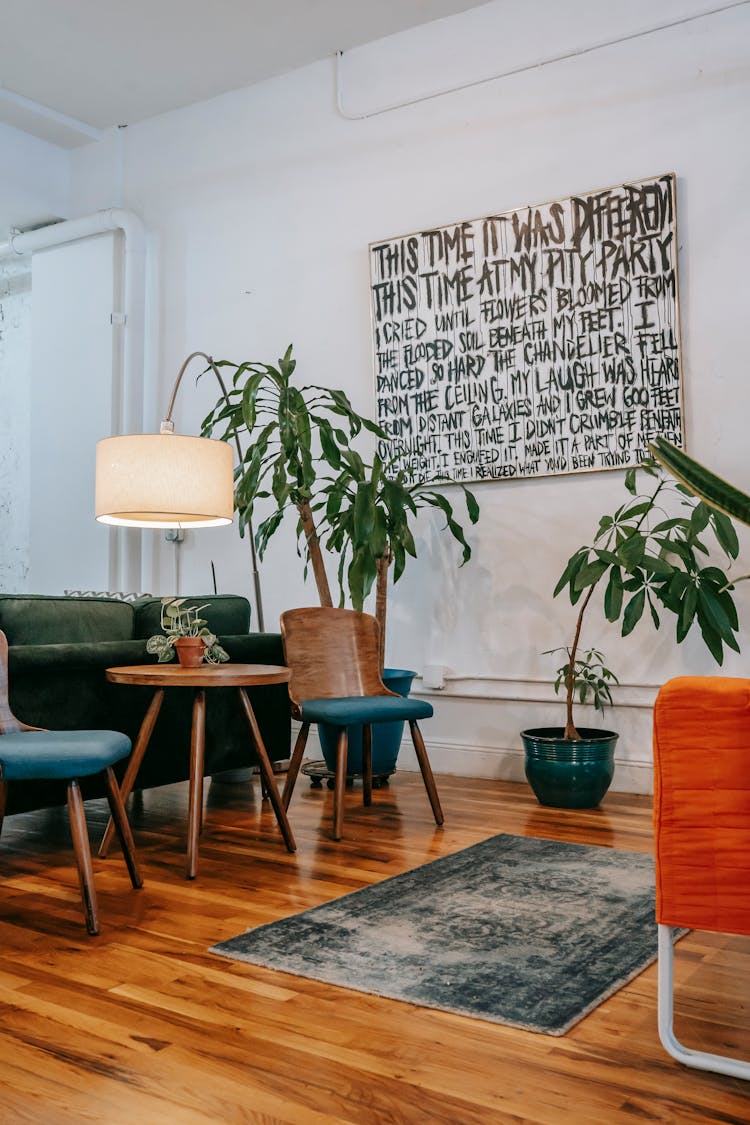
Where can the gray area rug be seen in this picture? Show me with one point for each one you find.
(531, 933)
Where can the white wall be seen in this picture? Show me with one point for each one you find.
(34, 187)
(73, 362)
(15, 419)
(262, 204)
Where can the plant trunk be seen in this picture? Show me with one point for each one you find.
(315, 552)
(570, 729)
(381, 600)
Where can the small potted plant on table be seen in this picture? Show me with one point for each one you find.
(187, 634)
(642, 559)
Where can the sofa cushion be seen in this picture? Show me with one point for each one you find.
(227, 614)
(37, 619)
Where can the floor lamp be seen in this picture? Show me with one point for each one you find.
(170, 480)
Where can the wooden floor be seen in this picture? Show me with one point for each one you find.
(142, 1024)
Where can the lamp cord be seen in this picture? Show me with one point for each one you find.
(167, 427)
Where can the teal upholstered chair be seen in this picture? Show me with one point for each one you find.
(28, 753)
(333, 657)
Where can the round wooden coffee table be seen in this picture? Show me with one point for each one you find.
(161, 676)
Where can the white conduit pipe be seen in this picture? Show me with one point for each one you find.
(72, 229)
(127, 388)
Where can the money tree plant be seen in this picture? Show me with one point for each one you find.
(645, 562)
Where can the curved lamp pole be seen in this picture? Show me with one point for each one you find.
(170, 480)
(167, 427)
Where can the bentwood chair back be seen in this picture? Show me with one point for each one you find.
(28, 753)
(702, 830)
(333, 655)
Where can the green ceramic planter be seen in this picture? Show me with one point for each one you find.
(566, 774)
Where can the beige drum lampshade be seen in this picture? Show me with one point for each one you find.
(164, 480)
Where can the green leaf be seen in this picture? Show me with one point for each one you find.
(632, 550)
(590, 574)
(725, 534)
(669, 525)
(249, 396)
(399, 559)
(573, 565)
(638, 509)
(687, 612)
(652, 608)
(472, 505)
(633, 612)
(364, 514)
(656, 565)
(712, 609)
(613, 595)
(360, 577)
(699, 517)
(712, 641)
(328, 444)
(712, 489)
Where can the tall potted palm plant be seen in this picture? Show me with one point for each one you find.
(300, 456)
(292, 431)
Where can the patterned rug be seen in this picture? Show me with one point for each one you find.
(531, 933)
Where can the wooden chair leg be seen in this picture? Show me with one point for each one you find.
(3, 799)
(82, 850)
(122, 826)
(134, 763)
(367, 764)
(294, 765)
(424, 765)
(342, 749)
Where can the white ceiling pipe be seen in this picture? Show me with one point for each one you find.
(128, 322)
(114, 218)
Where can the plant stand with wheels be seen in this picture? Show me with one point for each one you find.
(318, 772)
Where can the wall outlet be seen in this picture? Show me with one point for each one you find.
(174, 534)
(433, 676)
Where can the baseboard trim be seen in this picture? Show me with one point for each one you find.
(501, 763)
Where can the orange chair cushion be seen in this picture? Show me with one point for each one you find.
(702, 803)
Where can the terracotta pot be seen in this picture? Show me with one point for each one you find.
(190, 651)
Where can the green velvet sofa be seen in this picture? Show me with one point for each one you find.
(59, 648)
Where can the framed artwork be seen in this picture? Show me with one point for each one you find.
(539, 341)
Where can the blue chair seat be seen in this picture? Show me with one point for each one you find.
(50, 754)
(351, 710)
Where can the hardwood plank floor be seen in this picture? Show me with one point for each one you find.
(143, 1024)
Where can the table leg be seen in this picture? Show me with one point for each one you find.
(134, 764)
(266, 773)
(197, 756)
